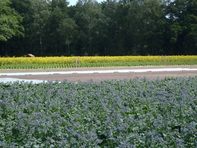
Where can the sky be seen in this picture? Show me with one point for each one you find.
(73, 2)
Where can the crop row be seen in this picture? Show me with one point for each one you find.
(130, 113)
(97, 61)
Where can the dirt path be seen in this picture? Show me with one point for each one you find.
(130, 74)
(94, 68)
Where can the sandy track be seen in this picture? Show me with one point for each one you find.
(92, 74)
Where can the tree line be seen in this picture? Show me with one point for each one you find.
(112, 27)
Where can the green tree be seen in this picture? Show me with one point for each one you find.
(40, 16)
(190, 23)
(88, 17)
(10, 21)
(124, 27)
(67, 32)
(35, 15)
(23, 45)
(182, 27)
(145, 26)
(113, 27)
(60, 29)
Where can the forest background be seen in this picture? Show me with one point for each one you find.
(124, 27)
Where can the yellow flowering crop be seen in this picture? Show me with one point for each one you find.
(93, 61)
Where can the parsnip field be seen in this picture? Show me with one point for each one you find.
(97, 61)
(130, 113)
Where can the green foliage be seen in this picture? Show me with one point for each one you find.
(130, 113)
(9, 21)
(61, 29)
(124, 27)
(182, 23)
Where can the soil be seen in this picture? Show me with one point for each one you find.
(101, 77)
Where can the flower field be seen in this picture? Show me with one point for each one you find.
(130, 113)
(96, 61)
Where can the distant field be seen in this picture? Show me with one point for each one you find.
(94, 61)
